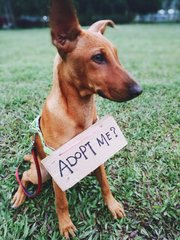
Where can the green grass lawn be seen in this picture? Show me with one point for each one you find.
(144, 175)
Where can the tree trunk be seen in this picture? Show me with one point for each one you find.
(9, 14)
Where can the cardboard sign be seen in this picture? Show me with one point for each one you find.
(84, 153)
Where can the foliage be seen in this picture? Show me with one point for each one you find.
(144, 176)
(88, 11)
(171, 4)
(20, 7)
(33, 7)
(144, 7)
(117, 10)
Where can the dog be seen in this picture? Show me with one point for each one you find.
(86, 64)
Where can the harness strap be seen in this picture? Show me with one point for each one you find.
(35, 127)
(38, 190)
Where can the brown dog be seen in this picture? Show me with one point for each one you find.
(86, 64)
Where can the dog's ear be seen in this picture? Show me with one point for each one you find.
(101, 25)
(65, 26)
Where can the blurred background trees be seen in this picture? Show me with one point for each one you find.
(21, 13)
(118, 10)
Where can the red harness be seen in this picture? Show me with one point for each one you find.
(38, 190)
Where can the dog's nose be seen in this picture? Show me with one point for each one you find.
(135, 90)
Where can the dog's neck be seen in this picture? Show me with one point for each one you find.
(66, 107)
(69, 97)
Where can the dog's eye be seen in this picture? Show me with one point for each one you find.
(98, 58)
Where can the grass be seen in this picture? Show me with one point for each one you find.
(144, 176)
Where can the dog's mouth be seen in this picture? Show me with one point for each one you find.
(101, 94)
(122, 96)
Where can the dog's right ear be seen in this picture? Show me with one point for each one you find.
(65, 26)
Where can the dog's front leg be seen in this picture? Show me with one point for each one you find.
(66, 226)
(115, 207)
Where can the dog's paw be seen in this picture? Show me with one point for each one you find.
(18, 199)
(115, 207)
(67, 228)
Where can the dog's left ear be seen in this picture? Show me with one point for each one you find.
(65, 26)
(101, 25)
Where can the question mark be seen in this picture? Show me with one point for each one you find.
(114, 131)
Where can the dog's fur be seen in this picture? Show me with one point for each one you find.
(86, 64)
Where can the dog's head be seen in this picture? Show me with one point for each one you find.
(91, 61)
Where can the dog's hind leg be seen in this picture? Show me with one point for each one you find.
(115, 207)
